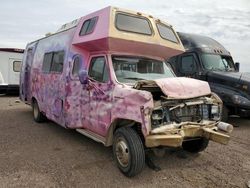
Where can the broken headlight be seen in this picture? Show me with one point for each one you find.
(215, 112)
(159, 117)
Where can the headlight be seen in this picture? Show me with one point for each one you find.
(157, 114)
(237, 99)
(215, 112)
(214, 109)
(159, 117)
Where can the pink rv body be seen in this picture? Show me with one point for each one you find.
(122, 53)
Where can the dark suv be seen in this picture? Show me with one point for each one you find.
(208, 60)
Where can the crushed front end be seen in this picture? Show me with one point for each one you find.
(175, 121)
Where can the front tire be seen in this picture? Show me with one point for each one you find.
(195, 146)
(128, 151)
(37, 114)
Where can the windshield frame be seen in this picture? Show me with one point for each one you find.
(222, 56)
(167, 65)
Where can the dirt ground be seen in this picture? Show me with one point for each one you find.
(47, 155)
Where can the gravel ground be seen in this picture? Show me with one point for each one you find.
(47, 155)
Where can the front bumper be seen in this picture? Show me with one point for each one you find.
(175, 137)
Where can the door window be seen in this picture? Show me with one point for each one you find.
(188, 64)
(98, 69)
(76, 66)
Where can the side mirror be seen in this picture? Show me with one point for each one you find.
(83, 76)
(237, 66)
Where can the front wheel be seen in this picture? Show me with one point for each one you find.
(195, 146)
(128, 151)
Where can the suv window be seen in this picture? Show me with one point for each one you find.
(57, 63)
(88, 26)
(132, 23)
(188, 64)
(98, 69)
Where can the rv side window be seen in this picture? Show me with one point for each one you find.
(88, 26)
(98, 69)
(167, 33)
(57, 63)
(188, 64)
(76, 66)
(132, 23)
(47, 60)
(17, 66)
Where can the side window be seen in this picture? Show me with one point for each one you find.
(188, 64)
(76, 66)
(88, 26)
(47, 60)
(57, 62)
(98, 69)
(16, 66)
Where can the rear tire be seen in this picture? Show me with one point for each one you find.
(128, 151)
(195, 146)
(37, 114)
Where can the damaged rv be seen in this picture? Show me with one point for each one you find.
(104, 75)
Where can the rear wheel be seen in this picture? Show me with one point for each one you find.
(37, 114)
(195, 146)
(128, 151)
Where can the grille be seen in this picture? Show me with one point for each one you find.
(188, 113)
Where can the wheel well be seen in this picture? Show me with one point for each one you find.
(33, 99)
(118, 123)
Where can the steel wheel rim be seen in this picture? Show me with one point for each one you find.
(122, 152)
(35, 110)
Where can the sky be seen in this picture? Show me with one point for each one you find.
(227, 21)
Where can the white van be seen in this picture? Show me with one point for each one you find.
(10, 64)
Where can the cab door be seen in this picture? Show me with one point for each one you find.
(96, 108)
(188, 66)
(74, 94)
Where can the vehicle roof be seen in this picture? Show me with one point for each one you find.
(194, 42)
(106, 37)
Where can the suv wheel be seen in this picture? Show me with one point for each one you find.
(128, 151)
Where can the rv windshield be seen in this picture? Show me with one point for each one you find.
(217, 62)
(132, 69)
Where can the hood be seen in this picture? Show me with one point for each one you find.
(228, 78)
(177, 87)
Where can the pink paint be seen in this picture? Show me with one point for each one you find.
(183, 88)
(97, 105)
